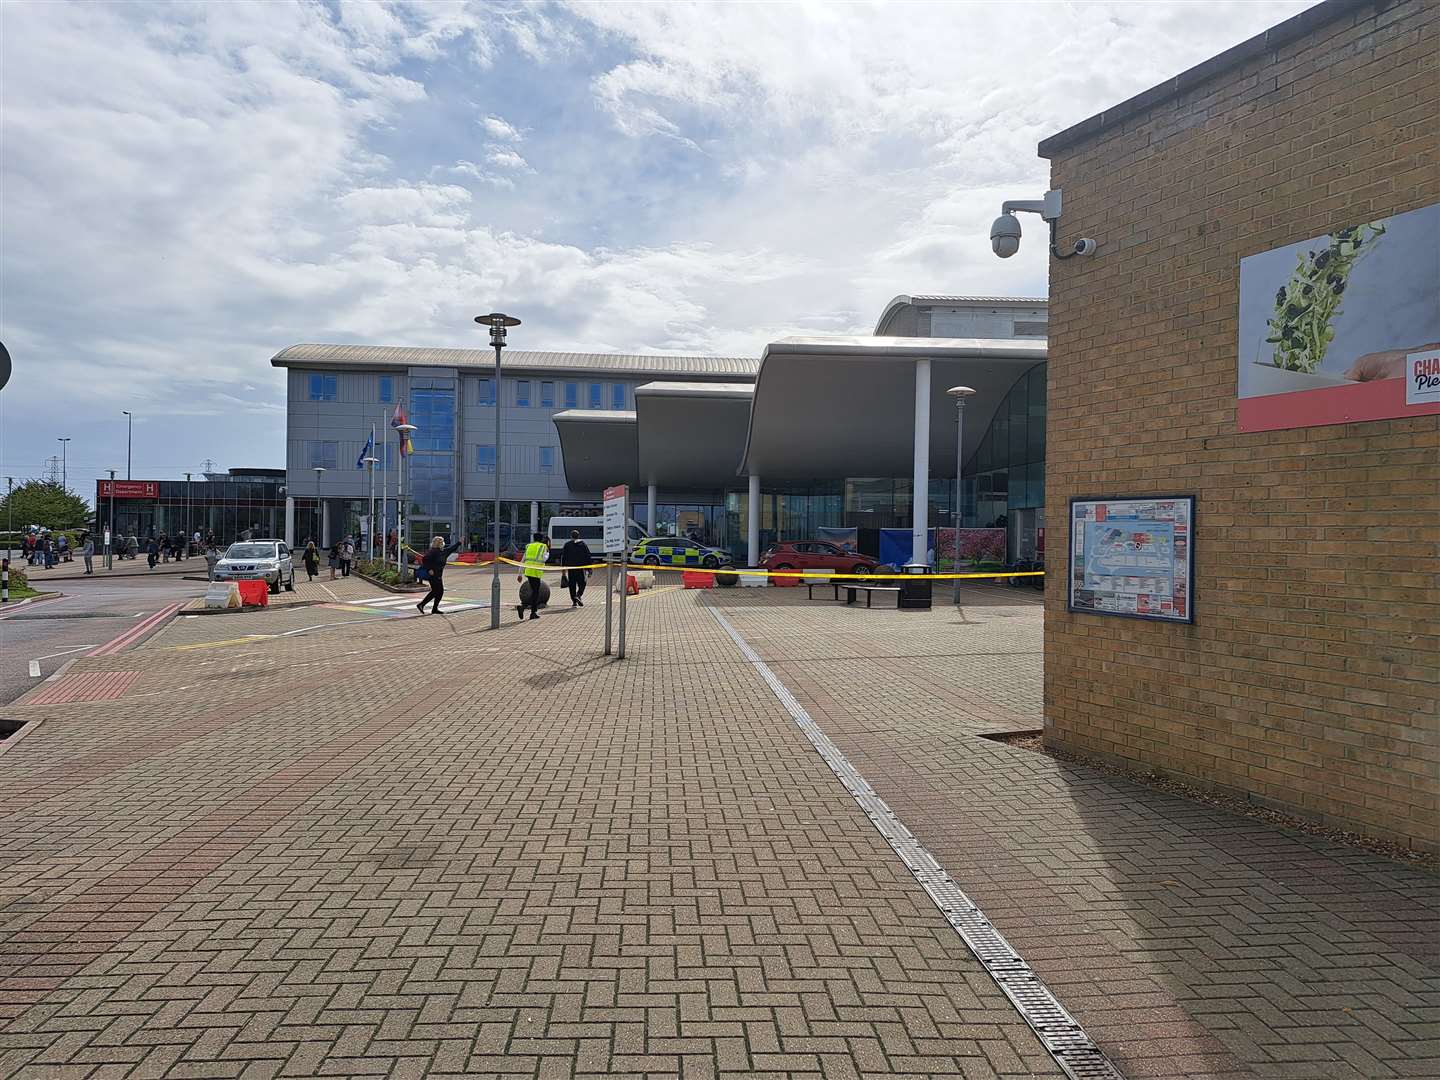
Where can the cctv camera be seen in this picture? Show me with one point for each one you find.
(1085, 246)
(1005, 235)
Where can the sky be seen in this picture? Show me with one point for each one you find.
(187, 188)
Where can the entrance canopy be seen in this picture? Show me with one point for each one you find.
(691, 435)
(829, 407)
(598, 447)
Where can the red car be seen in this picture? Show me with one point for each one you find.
(816, 555)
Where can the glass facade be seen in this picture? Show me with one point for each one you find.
(225, 505)
(1007, 471)
(430, 470)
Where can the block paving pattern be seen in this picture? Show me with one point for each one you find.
(419, 847)
(1189, 942)
(90, 686)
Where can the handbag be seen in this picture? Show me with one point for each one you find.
(564, 579)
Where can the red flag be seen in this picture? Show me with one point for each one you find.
(406, 446)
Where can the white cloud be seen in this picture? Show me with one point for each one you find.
(500, 129)
(187, 188)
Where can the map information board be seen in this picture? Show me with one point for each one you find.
(1133, 557)
(613, 518)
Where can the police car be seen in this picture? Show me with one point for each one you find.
(678, 551)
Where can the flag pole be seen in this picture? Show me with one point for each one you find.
(384, 489)
(371, 463)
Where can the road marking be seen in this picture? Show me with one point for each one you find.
(63, 652)
(137, 614)
(34, 669)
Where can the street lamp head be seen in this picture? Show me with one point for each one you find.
(497, 321)
(318, 469)
(372, 460)
(406, 428)
(960, 392)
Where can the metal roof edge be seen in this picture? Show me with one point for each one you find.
(594, 416)
(1296, 26)
(907, 348)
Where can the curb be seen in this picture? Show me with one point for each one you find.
(402, 589)
(253, 607)
(16, 605)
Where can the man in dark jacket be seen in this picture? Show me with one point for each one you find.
(434, 562)
(576, 553)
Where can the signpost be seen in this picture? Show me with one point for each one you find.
(615, 542)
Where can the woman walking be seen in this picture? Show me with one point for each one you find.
(312, 561)
(334, 559)
(88, 553)
(434, 563)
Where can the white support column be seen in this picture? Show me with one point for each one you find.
(325, 523)
(534, 519)
(289, 521)
(650, 511)
(920, 488)
(752, 524)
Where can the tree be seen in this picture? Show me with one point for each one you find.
(38, 502)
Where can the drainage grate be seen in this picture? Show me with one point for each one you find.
(1073, 1050)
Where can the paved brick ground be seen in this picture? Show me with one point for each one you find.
(1188, 941)
(391, 847)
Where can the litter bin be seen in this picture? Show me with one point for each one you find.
(915, 592)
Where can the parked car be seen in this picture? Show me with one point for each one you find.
(816, 555)
(258, 560)
(678, 551)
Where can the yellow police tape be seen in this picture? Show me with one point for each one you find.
(827, 574)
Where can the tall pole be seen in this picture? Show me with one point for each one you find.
(959, 393)
(64, 442)
(10, 509)
(186, 546)
(110, 532)
(370, 460)
(129, 432)
(402, 518)
(498, 322)
(920, 486)
(319, 471)
(384, 489)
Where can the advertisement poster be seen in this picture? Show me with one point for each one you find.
(1342, 327)
(1132, 557)
(847, 538)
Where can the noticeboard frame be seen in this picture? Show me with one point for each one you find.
(1115, 500)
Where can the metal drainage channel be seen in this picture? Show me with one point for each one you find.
(1059, 1032)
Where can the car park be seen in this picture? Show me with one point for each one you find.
(816, 555)
(258, 560)
(679, 551)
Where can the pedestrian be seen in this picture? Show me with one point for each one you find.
(152, 552)
(536, 554)
(347, 556)
(87, 552)
(164, 548)
(434, 563)
(333, 557)
(576, 553)
(63, 549)
(312, 561)
(50, 554)
(212, 556)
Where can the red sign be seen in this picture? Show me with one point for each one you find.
(130, 489)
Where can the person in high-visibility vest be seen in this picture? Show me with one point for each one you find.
(536, 554)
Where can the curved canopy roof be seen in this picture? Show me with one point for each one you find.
(845, 406)
(598, 447)
(691, 435)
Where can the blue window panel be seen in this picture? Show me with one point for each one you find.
(322, 387)
(487, 392)
(485, 458)
(387, 388)
(597, 396)
(572, 395)
(323, 453)
(617, 396)
(547, 395)
(547, 459)
(430, 485)
(432, 411)
(522, 393)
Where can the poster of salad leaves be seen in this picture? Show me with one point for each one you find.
(1332, 328)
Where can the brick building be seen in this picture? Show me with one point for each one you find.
(1308, 679)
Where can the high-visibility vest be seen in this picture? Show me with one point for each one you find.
(535, 552)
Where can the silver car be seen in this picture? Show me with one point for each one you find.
(258, 560)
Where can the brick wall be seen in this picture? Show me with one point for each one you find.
(1309, 679)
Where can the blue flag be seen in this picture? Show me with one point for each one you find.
(369, 451)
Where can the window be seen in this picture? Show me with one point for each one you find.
(572, 395)
(547, 459)
(323, 453)
(432, 411)
(387, 388)
(547, 395)
(617, 396)
(322, 387)
(486, 396)
(597, 397)
(522, 393)
(485, 458)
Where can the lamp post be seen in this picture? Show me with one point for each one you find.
(370, 461)
(129, 432)
(110, 530)
(186, 547)
(404, 430)
(319, 471)
(64, 441)
(498, 322)
(959, 393)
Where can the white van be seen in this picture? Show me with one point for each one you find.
(591, 530)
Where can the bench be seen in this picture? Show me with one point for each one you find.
(852, 589)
